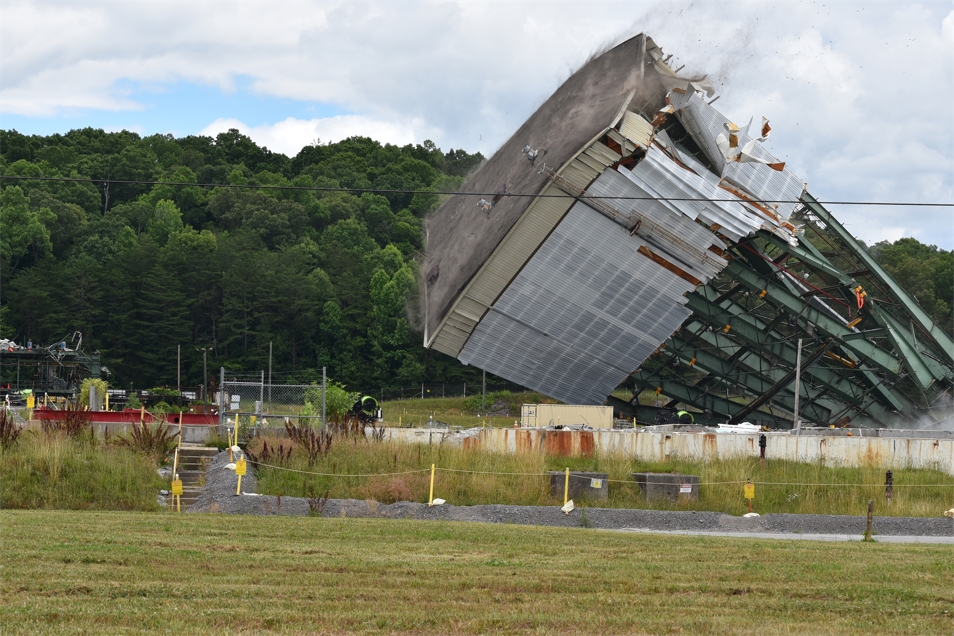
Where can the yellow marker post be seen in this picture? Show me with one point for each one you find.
(749, 492)
(107, 400)
(430, 502)
(228, 432)
(566, 487)
(240, 468)
(179, 445)
(177, 494)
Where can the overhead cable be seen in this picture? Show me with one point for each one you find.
(454, 193)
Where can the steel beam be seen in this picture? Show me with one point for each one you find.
(921, 318)
(806, 313)
(755, 383)
(753, 332)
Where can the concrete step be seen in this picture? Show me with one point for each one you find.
(190, 476)
(198, 451)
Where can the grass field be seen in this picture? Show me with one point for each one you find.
(99, 573)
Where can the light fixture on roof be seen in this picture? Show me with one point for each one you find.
(532, 154)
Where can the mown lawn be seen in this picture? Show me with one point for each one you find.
(120, 572)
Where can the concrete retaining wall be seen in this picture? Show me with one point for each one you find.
(886, 452)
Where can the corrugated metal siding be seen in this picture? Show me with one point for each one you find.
(585, 312)
(497, 272)
(578, 174)
(604, 154)
(659, 176)
(705, 123)
(636, 129)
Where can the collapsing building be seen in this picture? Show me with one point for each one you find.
(629, 234)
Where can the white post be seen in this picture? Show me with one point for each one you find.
(798, 386)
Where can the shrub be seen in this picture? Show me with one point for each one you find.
(101, 388)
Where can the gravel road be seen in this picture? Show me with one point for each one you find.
(219, 496)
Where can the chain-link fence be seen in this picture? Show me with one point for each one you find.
(441, 390)
(254, 403)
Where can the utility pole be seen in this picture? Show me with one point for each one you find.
(221, 400)
(205, 371)
(269, 376)
(798, 386)
(324, 379)
(179, 369)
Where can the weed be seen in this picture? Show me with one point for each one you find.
(584, 520)
(154, 441)
(271, 455)
(316, 503)
(73, 424)
(314, 442)
(9, 430)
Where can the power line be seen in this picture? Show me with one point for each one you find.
(459, 193)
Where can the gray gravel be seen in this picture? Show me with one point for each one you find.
(219, 496)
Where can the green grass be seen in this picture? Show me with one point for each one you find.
(107, 573)
(786, 487)
(457, 411)
(55, 471)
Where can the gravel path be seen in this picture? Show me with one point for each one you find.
(219, 496)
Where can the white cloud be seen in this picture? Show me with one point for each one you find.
(291, 135)
(858, 93)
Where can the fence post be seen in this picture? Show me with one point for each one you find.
(870, 513)
(888, 485)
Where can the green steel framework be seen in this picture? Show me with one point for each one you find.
(885, 363)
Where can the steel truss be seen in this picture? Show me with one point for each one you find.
(870, 353)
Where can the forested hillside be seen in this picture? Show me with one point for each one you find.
(326, 276)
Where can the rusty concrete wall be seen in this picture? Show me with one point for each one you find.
(885, 452)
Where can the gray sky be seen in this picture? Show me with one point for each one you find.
(860, 94)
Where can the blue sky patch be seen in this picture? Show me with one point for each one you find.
(181, 108)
